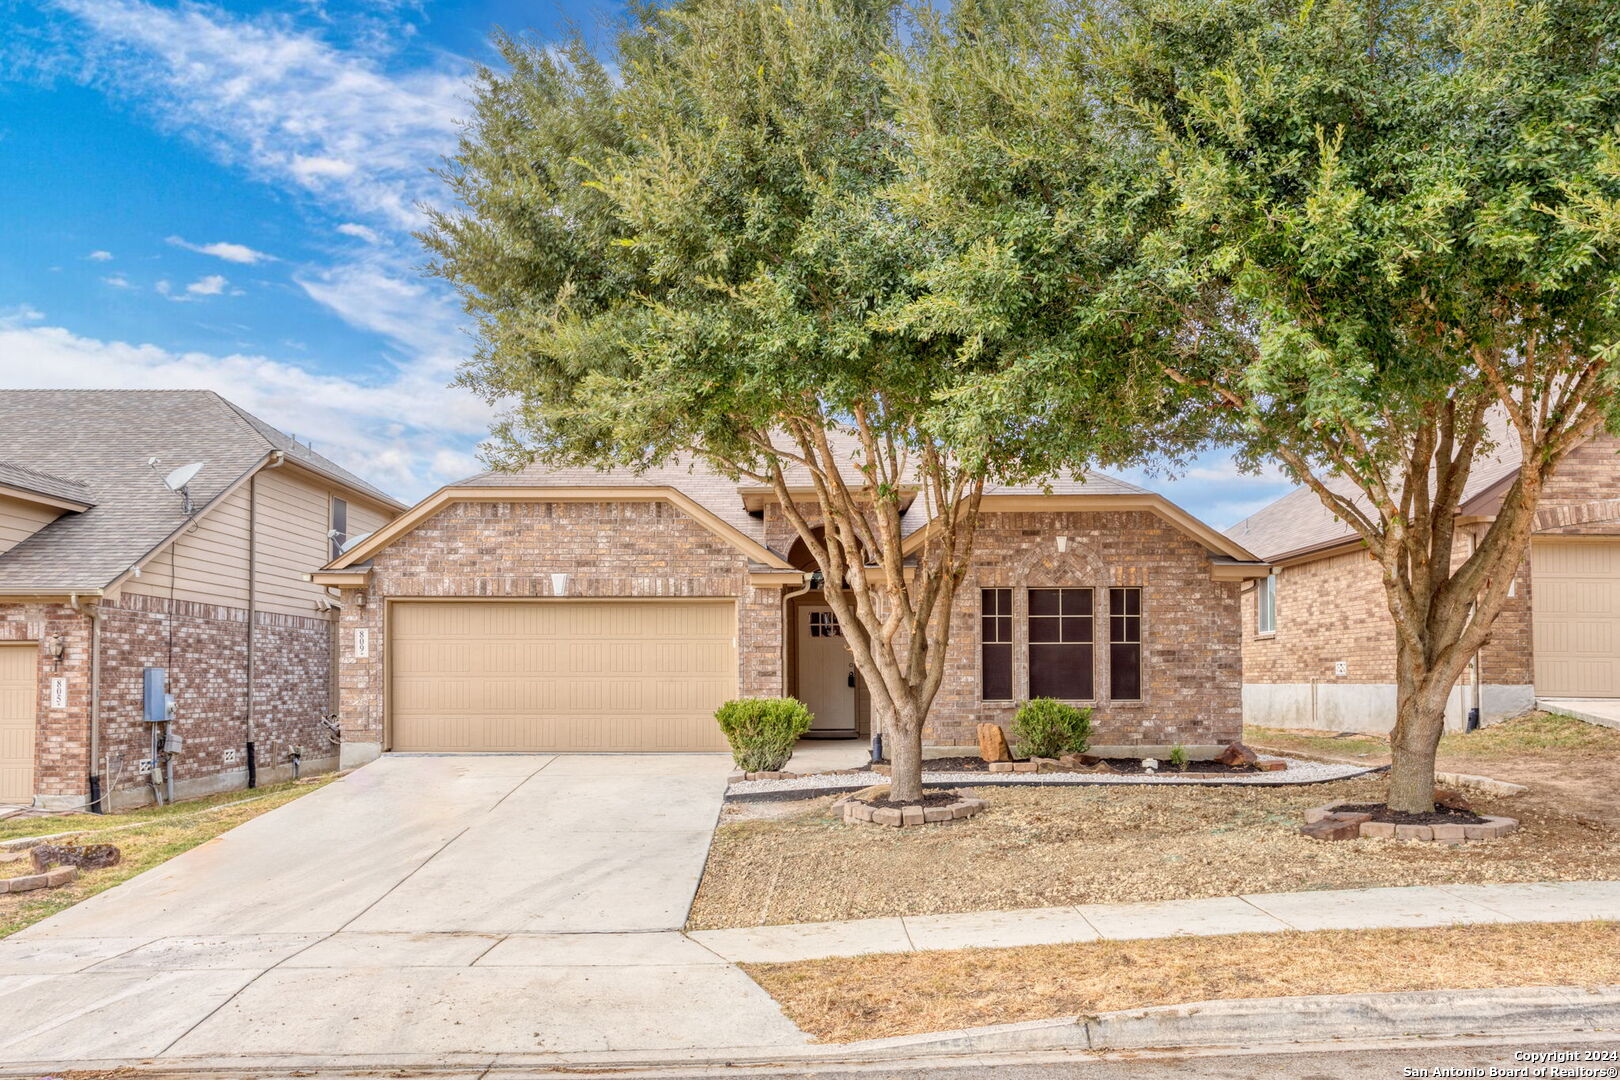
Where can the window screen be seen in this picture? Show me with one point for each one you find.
(1060, 643)
(1125, 644)
(340, 526)
(995, 644)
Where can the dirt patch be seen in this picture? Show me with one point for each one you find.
(870, 997)
(1571, 767)
(1438, 816)
(929, 798)
(1052, 846)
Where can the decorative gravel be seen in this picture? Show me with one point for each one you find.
(1298, 772)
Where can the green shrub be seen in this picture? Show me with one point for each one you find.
(762, 731)
(1178, 757)
(1046, 728)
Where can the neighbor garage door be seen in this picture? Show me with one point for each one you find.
(560, 674)
(1575, 594)
(18, 695)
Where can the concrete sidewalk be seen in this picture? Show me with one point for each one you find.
(1347, 909)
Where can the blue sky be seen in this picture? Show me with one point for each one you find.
(222, 196)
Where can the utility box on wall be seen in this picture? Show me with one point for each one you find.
(157, 704)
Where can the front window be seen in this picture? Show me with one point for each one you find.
(1125, 644)
(1265, 604)
(995, 645)
(1060, 643)
(340, 526)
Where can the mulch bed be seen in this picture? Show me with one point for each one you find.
(1122, 766)
(929, 798)
(1439, 816)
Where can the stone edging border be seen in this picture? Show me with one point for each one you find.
(1363, 826)
(57, 875)
(856, 813)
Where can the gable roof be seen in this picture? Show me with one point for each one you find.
(719, 503)
(98, 442)
(1299, 524)
(48, 488)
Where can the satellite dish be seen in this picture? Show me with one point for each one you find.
(185, 474)
(353, 540)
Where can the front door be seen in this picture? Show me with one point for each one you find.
(826, 673)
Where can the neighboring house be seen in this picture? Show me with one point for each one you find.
(104, 573)
(1318, 640)
(582, 610)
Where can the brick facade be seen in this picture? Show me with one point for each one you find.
(1333, 609)
(61, 736)
(1192, 678)
(608, 549)
(204, 649)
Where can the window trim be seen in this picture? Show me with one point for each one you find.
(1140, 643)
(1029, 690)
(1265, 602)
(335, 543)
(1011, 643)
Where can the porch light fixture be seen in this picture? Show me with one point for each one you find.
(55, 646)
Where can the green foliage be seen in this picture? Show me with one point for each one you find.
(1044, 727)
(1178, 757)
(762, 731)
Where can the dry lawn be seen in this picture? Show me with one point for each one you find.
(147, 838)
(869, 997)
(1055, 846)
(1569, 765)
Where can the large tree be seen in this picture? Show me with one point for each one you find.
(1378, 236)
(686, 252)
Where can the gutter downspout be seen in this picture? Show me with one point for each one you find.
(1475, 717)
(787, 622)
(277, 457)
(96, 794)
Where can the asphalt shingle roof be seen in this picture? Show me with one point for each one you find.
(43, 483)
(720, 496)
(102, 440)
(1298, 522)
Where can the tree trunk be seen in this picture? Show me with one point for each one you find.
(902, 742)
(1420, 719)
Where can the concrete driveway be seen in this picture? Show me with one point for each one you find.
(423, 908)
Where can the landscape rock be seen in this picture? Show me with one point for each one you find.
(1237, 754)
(1331, 828)
(81, 856)
(1271, 766)
(993, 743)
(1451, 799)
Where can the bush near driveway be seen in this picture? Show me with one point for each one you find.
(148, 838)
(872, 997)
(762, 731)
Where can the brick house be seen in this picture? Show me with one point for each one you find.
(105, 572)
(1318, 641)
(646, 600)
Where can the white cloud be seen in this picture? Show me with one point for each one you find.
(20, 315)
(1214, 489)
(283, 101)
(100, 256)
(163, 287)
(402, 431)
(211, 285)
(118, 281)
(236, 253)
(359, 232)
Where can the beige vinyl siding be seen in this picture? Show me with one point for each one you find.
(206, 566)
(210, 565)
(19, 520)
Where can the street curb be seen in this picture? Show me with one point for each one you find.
(1208, 1025)
(1259, 1021)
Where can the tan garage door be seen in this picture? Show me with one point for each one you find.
(18, 695)
(561, 674)
(1575, 593)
